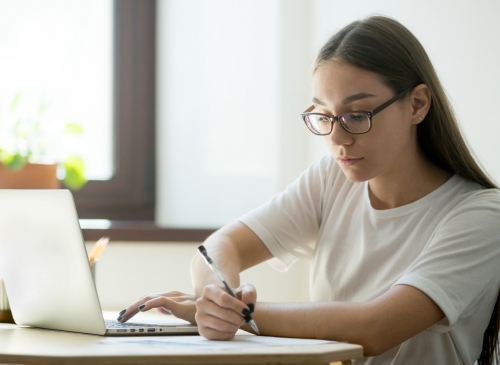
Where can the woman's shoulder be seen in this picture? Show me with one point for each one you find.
(479, 207)
(460, 191)
(482, 198)
(476, 194)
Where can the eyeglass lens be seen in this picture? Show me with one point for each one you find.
(353, 122)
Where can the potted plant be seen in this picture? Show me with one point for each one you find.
(36, 149)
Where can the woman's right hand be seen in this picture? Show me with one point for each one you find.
(181, 305)
(219, 315)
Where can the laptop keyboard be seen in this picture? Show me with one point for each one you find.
(113, 324)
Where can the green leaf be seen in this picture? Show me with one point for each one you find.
(14, 102)
(75, 173)
(14, 162)
(73, 128)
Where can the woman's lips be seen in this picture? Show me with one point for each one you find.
(348, 161)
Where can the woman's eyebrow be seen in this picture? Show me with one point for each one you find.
(355, 97)
(347, 100)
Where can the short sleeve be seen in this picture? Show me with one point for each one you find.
(289, 223)
(461, 260)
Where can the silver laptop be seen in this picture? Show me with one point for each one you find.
(45, 268)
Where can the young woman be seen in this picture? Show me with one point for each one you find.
(401, 224)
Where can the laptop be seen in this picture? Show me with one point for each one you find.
(45, 268)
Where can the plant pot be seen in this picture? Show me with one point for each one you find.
(31, 176)
(6, 317)
(5, 313)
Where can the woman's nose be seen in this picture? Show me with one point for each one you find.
(340, 136)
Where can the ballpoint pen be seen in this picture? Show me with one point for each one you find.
(217, 272)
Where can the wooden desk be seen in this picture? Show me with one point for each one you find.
(35, 346)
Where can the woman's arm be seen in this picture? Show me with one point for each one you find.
(378, 325)
(234, 248)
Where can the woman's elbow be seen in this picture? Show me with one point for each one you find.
(372, 347)
(376, 340)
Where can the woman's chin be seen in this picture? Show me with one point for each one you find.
(355, 175)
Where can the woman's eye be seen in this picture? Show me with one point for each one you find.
(354, 117)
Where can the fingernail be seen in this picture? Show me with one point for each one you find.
(119, 319)
(251, 306)
(246, 312)
(122, 312)
(142, 306)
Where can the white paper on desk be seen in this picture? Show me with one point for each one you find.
(198, 342)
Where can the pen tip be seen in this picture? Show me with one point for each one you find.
(202, 249)
(254, 326)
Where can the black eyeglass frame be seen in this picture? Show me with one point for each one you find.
(368, 113)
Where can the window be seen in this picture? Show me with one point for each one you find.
(90, 62)
(59, 55)
(129, 194)
(128, 198)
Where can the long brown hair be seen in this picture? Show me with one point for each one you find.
(384, 46)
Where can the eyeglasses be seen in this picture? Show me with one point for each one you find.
(354, 122)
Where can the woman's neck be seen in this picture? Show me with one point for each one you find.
(406, 185)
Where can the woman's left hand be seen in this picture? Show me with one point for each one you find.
(179, 304)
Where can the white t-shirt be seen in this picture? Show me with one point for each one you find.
(447, 244)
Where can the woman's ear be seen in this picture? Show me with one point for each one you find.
(420, 103)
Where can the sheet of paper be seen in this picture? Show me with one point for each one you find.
(239, 342)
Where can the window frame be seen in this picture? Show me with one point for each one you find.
(130, 193)
(128, 198)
